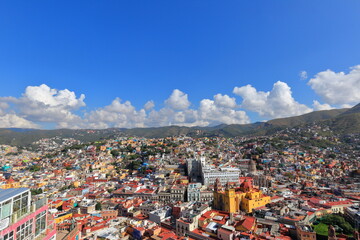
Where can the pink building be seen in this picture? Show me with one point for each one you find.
(23, 219)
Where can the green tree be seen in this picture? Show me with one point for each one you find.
(259, 150)
(339, 221)
(34, 168)
(98, 206)
(36, 191)
(115, 153)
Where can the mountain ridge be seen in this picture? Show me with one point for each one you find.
(342, 121)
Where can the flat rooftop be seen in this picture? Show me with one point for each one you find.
(11, 192)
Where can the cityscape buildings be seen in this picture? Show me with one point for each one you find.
(182, 188)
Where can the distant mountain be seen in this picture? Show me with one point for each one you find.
(25, 137)
(21, 129)
(355, 109)
(341, 121)
(307, 118)
(346, 122)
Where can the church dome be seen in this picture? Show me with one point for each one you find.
(246, 185)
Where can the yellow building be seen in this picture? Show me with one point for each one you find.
(62, 218)
(232, 200)
(10, 185)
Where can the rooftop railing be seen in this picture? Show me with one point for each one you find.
(40, 203)
(23, 212)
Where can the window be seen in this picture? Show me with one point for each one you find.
(9, 236)
(20, 204)
(16, 205)
(24, 200)
(6, 209)
(40, 224)
(24, 232)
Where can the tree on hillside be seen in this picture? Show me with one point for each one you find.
(115, 153)
(98, 206)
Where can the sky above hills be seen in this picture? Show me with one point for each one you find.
(100, 64)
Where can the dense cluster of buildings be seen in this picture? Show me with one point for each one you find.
(282, 186)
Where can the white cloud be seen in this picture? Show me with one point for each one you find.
(318, 106)
(51, 97)
(273, 104)
(167, 116)
(3, 107)
(177, 100)
(212, 113)
(338, 88)
(347, 105)
(14, 121)
(117, 114)
(43, 104)
(224, 101)
(149, 105)
(303, 75)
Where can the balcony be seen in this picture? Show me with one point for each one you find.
(21, 213)
(40, 203)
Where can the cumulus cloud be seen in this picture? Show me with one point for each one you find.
(224, 101)
(42, 104)
(167, 116)
(213, 112)
(14, 121)
(51, 97)
(319, 107)
(149, 105)
(338, 87)
(3, 107)
(347, 105)
(222, 109)
(273, 104)
(303, 75)
(117, 114)
(178, 100)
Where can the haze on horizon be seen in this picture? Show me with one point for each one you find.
(94, 64)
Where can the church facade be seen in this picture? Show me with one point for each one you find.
(232, 200)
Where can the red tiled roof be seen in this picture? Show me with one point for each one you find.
(247, 222)
(330, 204)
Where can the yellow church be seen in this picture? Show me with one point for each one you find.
(232, 200)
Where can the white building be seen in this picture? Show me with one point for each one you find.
(160, 214)
(210, 174)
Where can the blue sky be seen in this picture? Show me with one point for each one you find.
(140, 51)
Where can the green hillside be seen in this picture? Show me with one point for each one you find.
(307, 118)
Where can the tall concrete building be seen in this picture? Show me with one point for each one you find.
(210, 174)
(193, 169)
